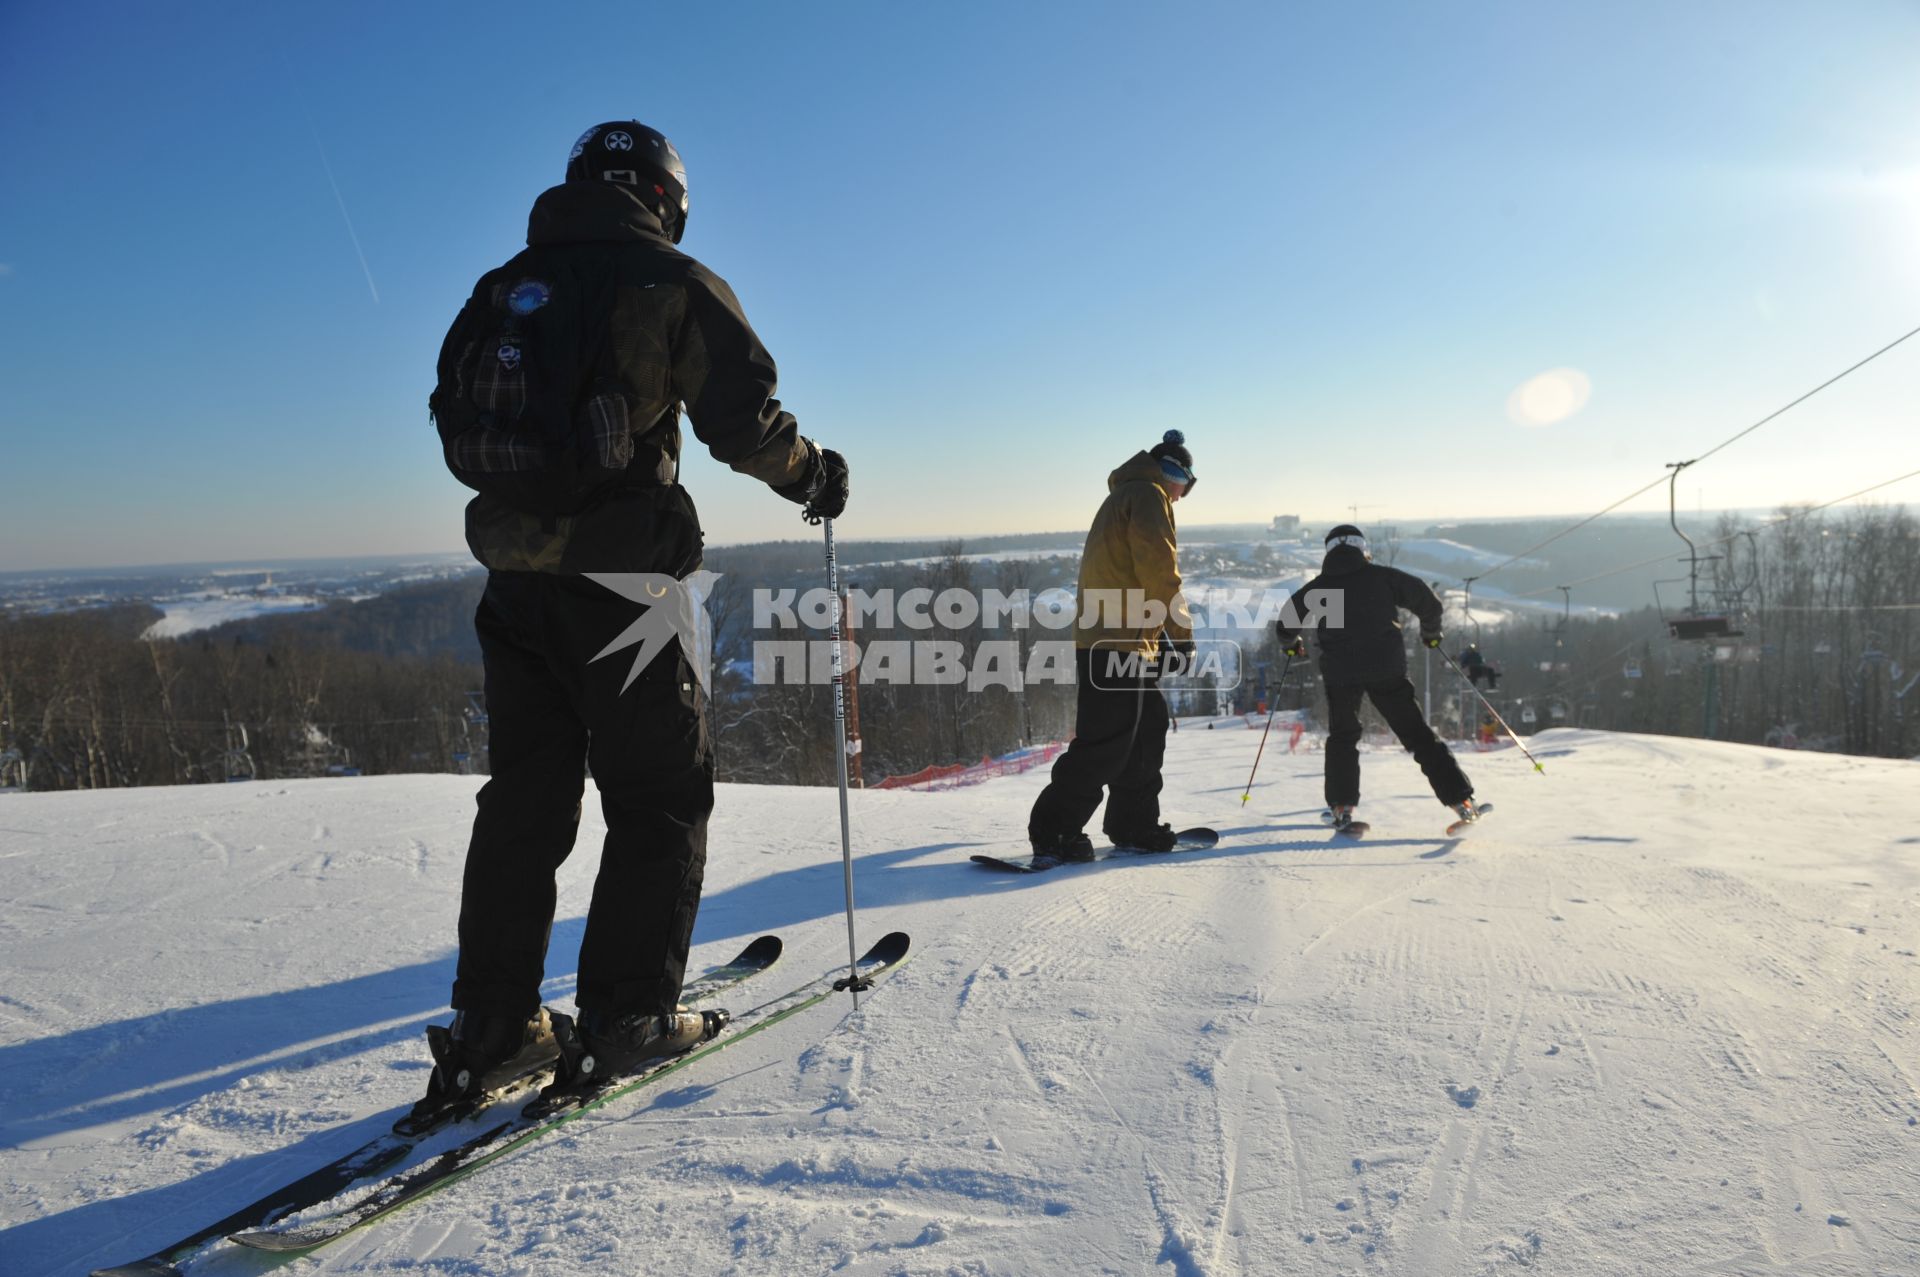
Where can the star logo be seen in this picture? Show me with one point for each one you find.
(674, 610)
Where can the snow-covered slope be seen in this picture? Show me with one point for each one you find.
(1655, 1016)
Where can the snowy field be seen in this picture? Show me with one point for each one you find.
(1655, 1016)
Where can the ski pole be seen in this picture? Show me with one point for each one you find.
(1277, 685)
(1511, 734)
(853, 983)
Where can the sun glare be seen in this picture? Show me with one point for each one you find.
(1549, 398)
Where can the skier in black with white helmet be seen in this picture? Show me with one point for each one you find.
(1364, 656)
(561, 388)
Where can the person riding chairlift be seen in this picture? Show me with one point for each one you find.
(1478, 667)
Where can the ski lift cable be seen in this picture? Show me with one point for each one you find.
(1725, 443)
(1847, 607)
(1762, 527)
(1803, 398)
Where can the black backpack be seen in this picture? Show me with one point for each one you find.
(529, 405)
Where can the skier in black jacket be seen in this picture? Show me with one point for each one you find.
(667, 333)
(1365, 656)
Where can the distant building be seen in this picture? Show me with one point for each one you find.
(1285, 525)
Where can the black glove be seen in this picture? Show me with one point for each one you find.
(1432, 638)
(821, 487)
(830, 501)
(1176, 655)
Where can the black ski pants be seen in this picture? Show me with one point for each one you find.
(1119, 744)
(552, 709)
(1394, 699)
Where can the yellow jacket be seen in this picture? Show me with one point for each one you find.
(1130, 570)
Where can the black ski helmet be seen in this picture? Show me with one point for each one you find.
(1347, 534)
(630, 153)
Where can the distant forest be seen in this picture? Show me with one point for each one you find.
(1823, 648)
(1811, 640)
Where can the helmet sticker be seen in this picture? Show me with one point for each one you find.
(618, 141)
(581, 145)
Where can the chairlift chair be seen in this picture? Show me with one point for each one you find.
(1712, 625)
(1528, 716)
(1694, 623)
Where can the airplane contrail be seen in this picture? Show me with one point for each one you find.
(344, 215)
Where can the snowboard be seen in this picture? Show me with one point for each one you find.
(1196, 839)
(1352, 829)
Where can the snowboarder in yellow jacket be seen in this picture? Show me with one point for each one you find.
(1131, 617)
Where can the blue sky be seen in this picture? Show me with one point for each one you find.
(995, 248)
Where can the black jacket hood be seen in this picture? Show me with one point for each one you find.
(1343, 560)
(591, 212)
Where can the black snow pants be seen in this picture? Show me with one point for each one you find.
(1394, 699)
(551, 711)
(1119, 744)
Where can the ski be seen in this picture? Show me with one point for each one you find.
(554, 1110)
(377, 1154)
(1196, 839)
(1459, 827)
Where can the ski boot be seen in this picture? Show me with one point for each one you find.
(1468, 811)
(477, 1054)
(601, 1045)
(1074, 847)
(1148, 838)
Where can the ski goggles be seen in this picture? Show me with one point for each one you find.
(1354, 539)
(1178, 473)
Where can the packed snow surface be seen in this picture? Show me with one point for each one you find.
(1654, 1016)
